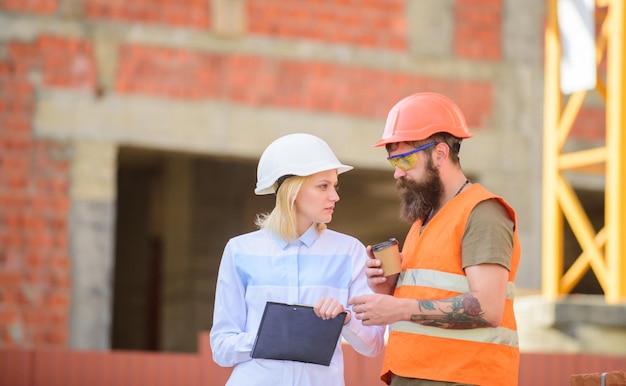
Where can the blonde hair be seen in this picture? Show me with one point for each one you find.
(282, 221)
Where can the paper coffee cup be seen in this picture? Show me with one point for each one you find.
(389, 255)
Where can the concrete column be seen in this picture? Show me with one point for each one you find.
(92, 219)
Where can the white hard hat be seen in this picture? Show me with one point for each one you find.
(294, 154)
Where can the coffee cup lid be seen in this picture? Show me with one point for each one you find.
(384, 244)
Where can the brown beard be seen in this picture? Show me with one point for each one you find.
(417, 199)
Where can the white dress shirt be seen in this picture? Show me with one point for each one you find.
(258, 267)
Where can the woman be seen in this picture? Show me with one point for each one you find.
(291, 259)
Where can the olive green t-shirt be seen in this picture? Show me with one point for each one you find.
(488, 236)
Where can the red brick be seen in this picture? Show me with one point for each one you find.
(61, 239)
(36, 337)
(612, 378)
(182, 13)
(34, 261)
(10, 277)
(379, 23)
(13, 239)
(13, 199)
(6, 68)
(67, 62)
(18, 89)
(38, 277)
(21, 50)
(62, 281)
(58, 299)
(8, 316)
(61, 262)
(478, 29)
(4, 337)
(56, 336)
(13, 220)
(14, 107)
(37, 317)
(34, 223)
(44, 7)
(14, 139)
(9, 296)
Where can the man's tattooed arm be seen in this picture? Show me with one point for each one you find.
(458, 313)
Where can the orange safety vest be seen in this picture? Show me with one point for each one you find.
(432, 269)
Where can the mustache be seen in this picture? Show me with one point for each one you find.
(403, 183)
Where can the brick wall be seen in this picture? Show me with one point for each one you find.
(180, 13)
(34, 202)
(258, 81)
(377, 23)
(38, 7)
(478, 31)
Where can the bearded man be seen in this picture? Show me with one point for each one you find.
(450, 310)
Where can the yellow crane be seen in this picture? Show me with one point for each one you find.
(604, 252)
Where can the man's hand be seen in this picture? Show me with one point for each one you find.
(377, 309)
(375, 280)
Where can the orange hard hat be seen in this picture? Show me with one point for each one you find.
(421, 115)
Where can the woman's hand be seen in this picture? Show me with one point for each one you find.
(328, 308)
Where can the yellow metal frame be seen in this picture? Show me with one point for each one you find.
(603, 251)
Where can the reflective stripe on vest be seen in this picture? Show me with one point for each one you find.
(442, 280)
(498, 335)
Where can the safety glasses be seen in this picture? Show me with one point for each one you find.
(406, 161)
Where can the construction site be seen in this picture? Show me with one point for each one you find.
(130, 133)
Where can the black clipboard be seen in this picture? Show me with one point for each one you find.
(293, 332)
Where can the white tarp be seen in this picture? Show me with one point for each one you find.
(577, 30)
